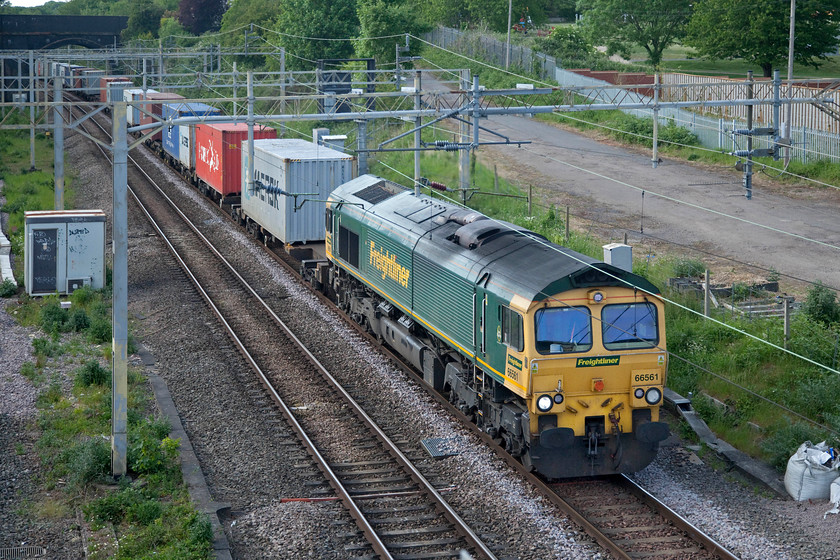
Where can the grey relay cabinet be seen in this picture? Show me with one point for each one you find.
(64, 250)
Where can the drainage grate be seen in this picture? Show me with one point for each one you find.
(442, 447)
(22, 552)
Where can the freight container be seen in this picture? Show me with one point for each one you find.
(115, 90)
(293, 166)
(77, 82)
(91, 82)
(135, 94)
(155, 109)
(103, 85)
(218, 161)
(178, 140)
(63, 251)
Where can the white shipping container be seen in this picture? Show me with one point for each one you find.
(64, 250)
(295, 167)
(134, 112)
(186, 137)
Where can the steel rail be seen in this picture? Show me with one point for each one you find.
(364, 525)
(680, 522)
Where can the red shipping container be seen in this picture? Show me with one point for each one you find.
(103, 86)
(218, 155)
(155, 109)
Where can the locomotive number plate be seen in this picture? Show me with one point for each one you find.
(646, 377)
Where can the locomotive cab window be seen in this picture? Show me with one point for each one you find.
(630, 325)
(348, 246)
(563, 329)
(329, 218)
(511, 326)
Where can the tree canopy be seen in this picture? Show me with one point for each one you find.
(199, 16)
(385, 18)
(313, 29)
(651, 24)
(758, 31)
(143, 20)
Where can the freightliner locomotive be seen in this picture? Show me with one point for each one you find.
(558, 356)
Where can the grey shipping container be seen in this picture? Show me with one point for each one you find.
(294, 167)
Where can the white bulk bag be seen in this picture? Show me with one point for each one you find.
(806, 478)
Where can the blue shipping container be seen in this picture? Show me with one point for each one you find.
(171, 134)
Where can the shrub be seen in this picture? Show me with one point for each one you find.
(821, 304)
(88, 461)
(92, 373)
(52, 317)
(8, 288)
(785, 441)
(45, 347)
(82, 297)
(691, 268)
(99, 330)
(78, 320)
(150, 450)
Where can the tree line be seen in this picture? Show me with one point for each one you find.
(754, 30)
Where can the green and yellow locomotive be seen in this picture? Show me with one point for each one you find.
(558, 355)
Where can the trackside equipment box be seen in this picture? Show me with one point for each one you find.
(296, 167)
(64, 250)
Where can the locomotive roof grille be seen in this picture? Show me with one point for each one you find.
(376, 193)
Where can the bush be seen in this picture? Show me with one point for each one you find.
(88, 461)
(92, 373)
(150, 450)
(52, 317)
(8, 288)
(821, 304)
(685, 267)
(46, 348)
(785, 441)
(78, 320)
(99, 330)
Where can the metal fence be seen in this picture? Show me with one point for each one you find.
(817, 139)
(493, 51)
(715, 132)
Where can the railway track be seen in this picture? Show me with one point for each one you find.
(391, 499)
(399, 513)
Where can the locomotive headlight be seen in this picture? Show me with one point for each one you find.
(639, 393)
(597, 297)
(544, 403)
(653, 396)
(558, 398)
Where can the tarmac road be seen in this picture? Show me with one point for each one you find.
(792, 230)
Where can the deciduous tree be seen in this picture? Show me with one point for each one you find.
(313, 29)
(143, 19)
(650, 24)
(385, 18)
(199, 16)
(758, 30)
